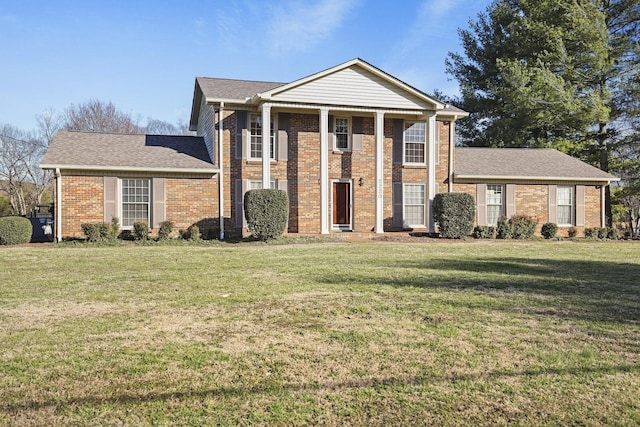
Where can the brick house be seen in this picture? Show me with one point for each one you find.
(355, 148)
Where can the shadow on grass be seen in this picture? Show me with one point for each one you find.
(273, 387)
(587, 290)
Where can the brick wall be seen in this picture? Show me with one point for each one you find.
(188, 201)
(82, 201)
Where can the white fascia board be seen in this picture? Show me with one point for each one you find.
(205, 171)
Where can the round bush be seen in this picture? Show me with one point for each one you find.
(454, 213)
(266, 212)
(15, 230)
(549, 230)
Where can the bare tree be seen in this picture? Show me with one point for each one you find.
(20, 175)
(98, 116)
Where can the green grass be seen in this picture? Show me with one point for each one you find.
(380, 333)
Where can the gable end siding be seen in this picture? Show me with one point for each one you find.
(356, 87)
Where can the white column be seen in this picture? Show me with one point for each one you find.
(452, 144)
(432, 185)
(379, 130)
(221, 169)
(266, 146)
(324, 171)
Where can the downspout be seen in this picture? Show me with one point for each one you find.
(58, 215)
(221, 170)
(603, 195)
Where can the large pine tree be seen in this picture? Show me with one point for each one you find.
(550, 73)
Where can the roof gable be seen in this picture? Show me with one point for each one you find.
(354, 83)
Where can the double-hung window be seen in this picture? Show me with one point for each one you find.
(341, 132)
(136, 199)
(415, 142)
(256, 184)
(565, 205)
(414, 205)
(495, 203)
(255, 144)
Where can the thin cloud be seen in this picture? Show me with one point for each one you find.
(297, 27)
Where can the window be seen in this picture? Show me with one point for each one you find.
(495, 203)
(135, 201)
(255, 128)
(256, 184)
(341, 132)
(565, 206)
(414, 205)
(415, 137)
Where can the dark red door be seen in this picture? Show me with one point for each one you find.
(341, 203)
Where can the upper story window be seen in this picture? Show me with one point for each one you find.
(136, 197)
(495, 203)
(255, 129)
(341, 132)
(565, 205)
(415, 141)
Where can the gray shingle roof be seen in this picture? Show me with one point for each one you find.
(524, 163)
(233, 89)
(87, 150)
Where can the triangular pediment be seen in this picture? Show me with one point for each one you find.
(357, 84)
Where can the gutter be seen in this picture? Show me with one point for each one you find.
(130, 169)
(58, 214)
(532, 178)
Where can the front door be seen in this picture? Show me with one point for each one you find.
(342, 205)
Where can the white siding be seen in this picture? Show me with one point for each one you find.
(353, 86)
(207, 127)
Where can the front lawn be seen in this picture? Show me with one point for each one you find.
(374, 333)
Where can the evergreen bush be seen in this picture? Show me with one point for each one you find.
(504, 229)
(549, 230)
(140, 230)
(266, 212)
(454, 213)
(15, 230)
(523, 226)
(484, 232)
(166, 228)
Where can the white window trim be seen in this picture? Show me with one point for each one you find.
(274, 136)
(335, 134)
(502, 202)
(572, 192)
(405, 125)
(121, 203)
(406, 224)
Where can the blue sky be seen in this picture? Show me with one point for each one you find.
(144, 55)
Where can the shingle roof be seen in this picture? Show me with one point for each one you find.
(233, 89)
(524, 163)
(87, 150)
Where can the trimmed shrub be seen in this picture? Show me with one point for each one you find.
(266, 212)
(613, 233)
(166, 228)
(194, 233)
(484, 232)
(454, 213)
(504, 229)
(15, 230)
(549, 230)
(114, 229)
(602, 233)
(140, 230)
(591, 233)
(572, 232)
(523, 226)
(96, 232)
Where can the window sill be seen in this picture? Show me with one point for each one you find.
(414, 165)
(257, 161)
(341, 150)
